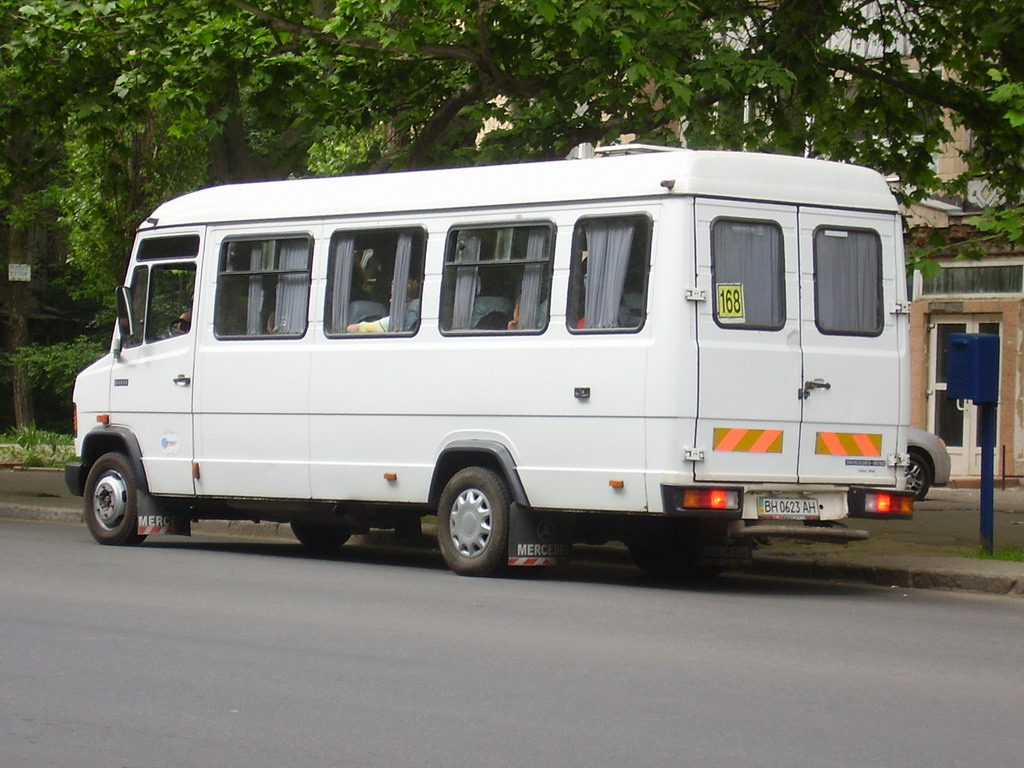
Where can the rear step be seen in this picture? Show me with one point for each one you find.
(837, 535)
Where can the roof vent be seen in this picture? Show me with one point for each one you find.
(618, 150)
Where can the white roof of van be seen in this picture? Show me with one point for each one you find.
(738, 175)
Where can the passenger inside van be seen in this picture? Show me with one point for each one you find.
(385, 324)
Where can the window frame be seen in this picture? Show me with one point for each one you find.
(142, 303)
(420, 241)
(781, 275)
(576, 296)
(237, 275)
(879, 283)
(152, 243)
(450, 270)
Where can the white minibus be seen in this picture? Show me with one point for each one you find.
(683, 351)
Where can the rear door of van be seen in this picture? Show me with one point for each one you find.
(801, 358)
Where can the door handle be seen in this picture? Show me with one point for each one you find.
(182, 380)
(808, 386)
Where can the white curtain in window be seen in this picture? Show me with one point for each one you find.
(608, 249)
(468, 252)
(848, 282)
(533, 275)
(400, 285)
(293, 289)
(254, 308)
(341, 283)
(750, 253)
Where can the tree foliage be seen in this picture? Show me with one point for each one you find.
(114, 105)
(168, 95)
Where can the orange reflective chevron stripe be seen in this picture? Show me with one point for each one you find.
(748, 440)
(848, 444)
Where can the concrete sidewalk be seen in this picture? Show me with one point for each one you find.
(932, 551)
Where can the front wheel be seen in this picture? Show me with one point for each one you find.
(473, 521)
(112, 501)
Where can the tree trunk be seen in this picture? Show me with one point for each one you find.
(15, 301)
(17, 336)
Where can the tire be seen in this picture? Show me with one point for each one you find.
(112, 501)
(671, 555)
(473, 522)
(321, 538)
(919, 475)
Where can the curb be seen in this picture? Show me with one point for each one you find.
(912, 572)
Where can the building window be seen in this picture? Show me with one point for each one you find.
(976, 280)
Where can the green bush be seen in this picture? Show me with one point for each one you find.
(36, 448)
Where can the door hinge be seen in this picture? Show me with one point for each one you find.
(696, 294)
(693, 454)
(898, 459)
(901, 308)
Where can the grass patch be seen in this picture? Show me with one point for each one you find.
(36, 448)
(1006, 553)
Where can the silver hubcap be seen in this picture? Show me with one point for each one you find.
(914, 479)
(470, 523)
(110, 500)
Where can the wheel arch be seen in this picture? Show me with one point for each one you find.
(114, 440)
(489, 454)
(924, 456)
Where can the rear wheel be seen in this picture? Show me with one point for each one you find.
(473, 522)
(112, 501)
(321, 538)
(919, 475)
(671, 554)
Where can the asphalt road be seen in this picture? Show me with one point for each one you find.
(221, 652)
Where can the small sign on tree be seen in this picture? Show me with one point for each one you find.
(19, 273)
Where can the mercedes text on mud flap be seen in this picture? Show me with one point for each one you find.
(682, 351)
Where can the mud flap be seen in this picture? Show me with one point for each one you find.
(153, 521)
(724, 552)
(537, 538)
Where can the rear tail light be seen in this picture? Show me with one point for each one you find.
(889, 505)
(703, 502)
(710, 498)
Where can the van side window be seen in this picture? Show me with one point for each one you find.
(162, 301)
(263, 288)
(848, 282)
(608, 276)
(748, 273)
(375, 281)
(173, 247)
(497, 279)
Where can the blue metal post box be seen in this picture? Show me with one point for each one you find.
(972, 367)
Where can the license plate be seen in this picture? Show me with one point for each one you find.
(781, 508)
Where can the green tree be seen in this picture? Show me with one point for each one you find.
(114, 105)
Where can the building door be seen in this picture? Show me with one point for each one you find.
(957, 422)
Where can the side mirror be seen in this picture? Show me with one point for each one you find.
(126, 323)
